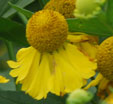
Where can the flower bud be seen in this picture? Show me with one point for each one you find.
(87, 8)
(79, 96)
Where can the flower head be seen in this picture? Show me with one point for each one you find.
(87, 8)
(105, 67)
(50, 64)
(65, 7)
(105, 58)
(42, 34)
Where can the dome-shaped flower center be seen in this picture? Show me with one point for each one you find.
(105, 58)
(46, 30)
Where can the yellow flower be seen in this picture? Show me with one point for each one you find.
(51, 63)
(65, 7)
(105, 67)
(3, 79)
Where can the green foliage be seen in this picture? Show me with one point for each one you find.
(21, 3)
(27, 13)
(16, 97)
(7, 86)
(13, 97)
(3, 6)
(100, 25)
(109, 12)
(94, 26)
(12, 31)
(42, 3)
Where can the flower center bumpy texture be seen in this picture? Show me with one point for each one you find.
(105, 58)
(65, 7)
(46, 30)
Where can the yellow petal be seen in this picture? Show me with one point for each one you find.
(23, 69)
(44, 75)
(95, 82)
(103, 85)
(80, 62)
(89, 49)
(24, 52)
(109, 99)
(27, 64)
(13, 64)
(32, 74)
(56, 84)
(71, 78)
(3, 79)
(36, 83)
(15, 72)
(77, 37)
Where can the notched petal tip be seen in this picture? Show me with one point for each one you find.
(13, 64)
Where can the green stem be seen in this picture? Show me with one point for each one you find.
(23, 18)
(11, 57)
(10, 50)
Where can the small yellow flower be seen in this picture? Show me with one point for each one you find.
(3, 79)
(65, 7)
(51, 63)
(105, 67)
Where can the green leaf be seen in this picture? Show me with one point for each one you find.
(109, 13)
(12, 31)
(14, 97)
(42, 3)
(55, 99)
(93, 26)
(100, 25)
(45, 1)
(3, 6)
(20, 3)
(21, 10)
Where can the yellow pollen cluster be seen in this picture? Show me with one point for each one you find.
(65, 7)
(105, 58)
(46, 30)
